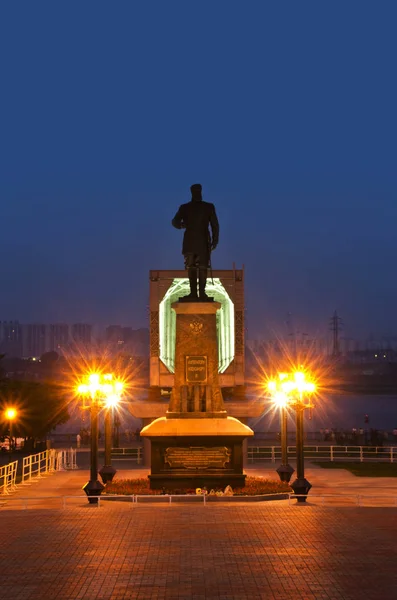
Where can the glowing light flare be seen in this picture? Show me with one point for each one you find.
(288, 385)
(301, 385)
(272, 386)
(10, 413)
(280, 399)
(102, 387)
(94, 379)
(112, 400)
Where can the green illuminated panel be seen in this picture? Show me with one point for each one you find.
(224, 322)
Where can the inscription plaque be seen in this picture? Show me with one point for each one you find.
(197, 458)
(196, 369)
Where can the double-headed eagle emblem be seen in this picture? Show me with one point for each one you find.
(196, 327)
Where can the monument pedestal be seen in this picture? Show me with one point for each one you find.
(196, 444)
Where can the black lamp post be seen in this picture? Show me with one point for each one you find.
(284, 470)
(102, 390)
(107, 472)
(301, 485)
(116, 432)
(289, 391)
(93, 488)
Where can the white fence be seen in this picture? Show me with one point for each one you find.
(35, 466)
(134, 454)
(39, 464)
(325, 453)
(8, 475)
(48, 461)
(66, 459)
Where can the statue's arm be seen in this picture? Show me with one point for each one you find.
(214, 228)
(178, 221)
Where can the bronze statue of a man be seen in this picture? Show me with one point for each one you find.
(196, 217)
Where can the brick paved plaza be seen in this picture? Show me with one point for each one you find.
(257, 550)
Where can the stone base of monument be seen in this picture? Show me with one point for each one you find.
(190, 453)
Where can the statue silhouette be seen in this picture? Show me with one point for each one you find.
(196, 217)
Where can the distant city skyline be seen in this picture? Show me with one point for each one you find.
(34, 339)
(26, 340)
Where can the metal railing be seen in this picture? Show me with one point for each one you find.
(8, 475)
(39, 464)
(332, 453)
(135, 454)
(35, 466)
(66, 460)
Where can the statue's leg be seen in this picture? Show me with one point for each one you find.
(202, 282)
(190, 261)
(192, 274)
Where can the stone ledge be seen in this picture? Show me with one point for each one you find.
(228, 426)
(196, 308)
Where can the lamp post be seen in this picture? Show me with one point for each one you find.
(10, 414)
(113, 389)
(99, 390)
(303, 389)
(116, 432)
(293, 389)
(281, 400)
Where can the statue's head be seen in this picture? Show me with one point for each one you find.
(196, 191)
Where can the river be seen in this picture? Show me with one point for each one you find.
(341, 411)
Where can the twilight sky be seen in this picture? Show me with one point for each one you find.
(284, 111)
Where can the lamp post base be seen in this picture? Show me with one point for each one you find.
(93, 489)
(107, 473)
(285, 472)
(301, 488)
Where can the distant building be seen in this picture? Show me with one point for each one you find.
(11, 338)
(128, 334)
(114, 334)
(133, 341)
(137, 341)
(82, 333)
(58, 338)
(34, 340)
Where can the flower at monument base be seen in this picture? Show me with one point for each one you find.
(254, 486)
(228, 491)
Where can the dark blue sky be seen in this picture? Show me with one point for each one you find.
(284, 111)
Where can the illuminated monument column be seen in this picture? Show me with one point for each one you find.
(196, 390)
(196, 443)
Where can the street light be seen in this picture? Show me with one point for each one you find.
(297, 391)
(100, 388)
(280, 398)
(10, 414)
(113, 390)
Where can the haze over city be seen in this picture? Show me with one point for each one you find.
(285, 117)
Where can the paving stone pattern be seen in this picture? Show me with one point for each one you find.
(266, 550)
